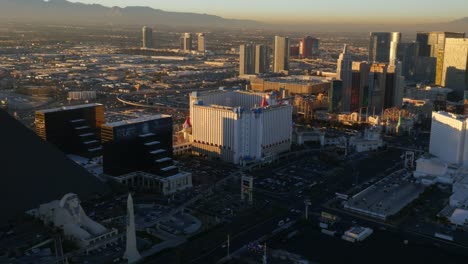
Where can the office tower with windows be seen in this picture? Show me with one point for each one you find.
(186, 42)
(395, 39)
(437, 41)
(379, 47)
(147, 37)
(308, 47)
(455, 73)
(344, 74)
(73, 129)
(261, 59)
(432, 44)
(142, 144)
(377, 84)
(335, 97)
(407, 54)
(281, 60)
(383, 46)
(359, 85)
(247, 59)
(422, 38)
(201, 42)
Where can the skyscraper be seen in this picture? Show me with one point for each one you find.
(201, 42)
(395, 38)
(247, 59)
(281, 63)
(422, 38)
(261, 59)
(377, 84)
(437, 44)
(344, 73)
(294, 51)
(142, 144)
(432, 44)
(455, 73)
(336, 96)
(238, 126)
(147, 37)
(360, 85)
(394, 83)
(379, 47)
(407, 53)
(72, 129)
(308, 47)
(383, 46)
(448, 138)
(186, 42)
(385, 86)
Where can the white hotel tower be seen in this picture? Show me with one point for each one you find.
(239, 127)
(449, 138)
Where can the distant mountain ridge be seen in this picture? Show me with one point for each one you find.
(67, 13)
(461, 21)
(71, 13)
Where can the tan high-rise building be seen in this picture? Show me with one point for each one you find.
(201, 42)
(395, 40)
(454, 74)
(281, 63)
(436, 46)
(186, 42)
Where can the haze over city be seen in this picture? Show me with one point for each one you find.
(300, 11)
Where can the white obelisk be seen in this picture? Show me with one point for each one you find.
(131, 252)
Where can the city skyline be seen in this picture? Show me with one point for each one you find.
(233, 132)
(302, 11)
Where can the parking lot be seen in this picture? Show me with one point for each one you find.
(292, 177)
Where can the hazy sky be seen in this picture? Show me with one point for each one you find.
(400, 11)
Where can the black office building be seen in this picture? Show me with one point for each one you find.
(142, 144)
(72, 129)
(336, 97)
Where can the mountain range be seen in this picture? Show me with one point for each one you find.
(68, 13)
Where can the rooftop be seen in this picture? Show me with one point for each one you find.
(231, 100)
(299, 79)
(386, 197)
(136, 120)
(450, 115)
(68, 108)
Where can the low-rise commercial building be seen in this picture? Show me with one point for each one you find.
(293, 84)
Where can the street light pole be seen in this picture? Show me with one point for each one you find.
(228, 246)
(307, 203)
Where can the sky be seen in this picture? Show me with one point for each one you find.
(396, 11)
